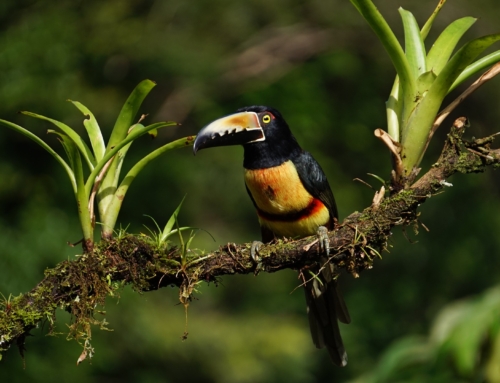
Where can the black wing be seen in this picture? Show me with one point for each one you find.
(314, 180)
(325, 305)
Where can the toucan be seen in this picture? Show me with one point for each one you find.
(293, 199)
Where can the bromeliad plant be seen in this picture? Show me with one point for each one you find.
(104, 162)
(424, 79)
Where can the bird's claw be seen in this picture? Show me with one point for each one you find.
(254, 253)
(324, 242)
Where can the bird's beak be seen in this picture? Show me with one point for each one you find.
(235, 129)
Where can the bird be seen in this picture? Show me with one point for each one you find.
(293, 199)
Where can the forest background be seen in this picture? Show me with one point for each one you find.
(323, 68)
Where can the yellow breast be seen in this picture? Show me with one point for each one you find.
(284, 205)
(277, 190)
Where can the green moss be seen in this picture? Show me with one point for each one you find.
(79, 287)
(468, 163)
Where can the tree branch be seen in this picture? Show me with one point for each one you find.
(79, 286)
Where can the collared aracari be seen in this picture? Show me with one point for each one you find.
(293, 199)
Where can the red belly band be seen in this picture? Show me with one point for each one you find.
(315, 206)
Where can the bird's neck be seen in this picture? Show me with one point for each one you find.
(265, 154)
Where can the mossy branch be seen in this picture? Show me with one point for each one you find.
(81, 285)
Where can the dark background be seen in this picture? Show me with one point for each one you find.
(323, 68)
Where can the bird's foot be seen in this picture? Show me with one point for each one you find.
(254, 253)
(324, 242)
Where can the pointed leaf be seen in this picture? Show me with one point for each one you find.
(129, 111)
(428, 24)
(66, 144)
(171, 222)
(93, 130)
(445, 44)
(414, 45)
(123, 152)
(476, 67)
(136, 133)
(110, 183)
(180, 229)
(123, 123)
(382, 181)
(154, 221)
(391, 44)
(42, 143)
(81, 145)
(420, 122)
(461, 60)
(190, 239)
(109, 220)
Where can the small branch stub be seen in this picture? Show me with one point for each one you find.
(395, 149)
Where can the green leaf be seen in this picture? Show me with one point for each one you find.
(382, 181)
(42, 143)
(424, 82)
(414, 45)
(125, 149)
(420, 122)
(476, 67)
(120, 131)
(393, 111)
(81, 199)
(153, 133)
(428, 24)
(392, 46)
(460, 61)
(93, 130)
(171, 222)
(492, 365)
(447, 319)
(80, 144)
(407, 352)
(190, 239)
(180, 229)
(415, 54)
(68, 148)
(445, 44)
(467, 337)
(129, 111)
(111, 214)
(156, 224)
(136, 133)
(110, 183)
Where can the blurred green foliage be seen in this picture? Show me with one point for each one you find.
(321, 66)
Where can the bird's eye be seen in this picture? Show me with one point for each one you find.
(266, 119)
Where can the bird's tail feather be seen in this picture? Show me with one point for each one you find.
(325, 307)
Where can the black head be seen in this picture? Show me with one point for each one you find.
(261, 130)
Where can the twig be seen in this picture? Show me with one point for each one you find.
(378, 197)
(363, 182)
(393, 146)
